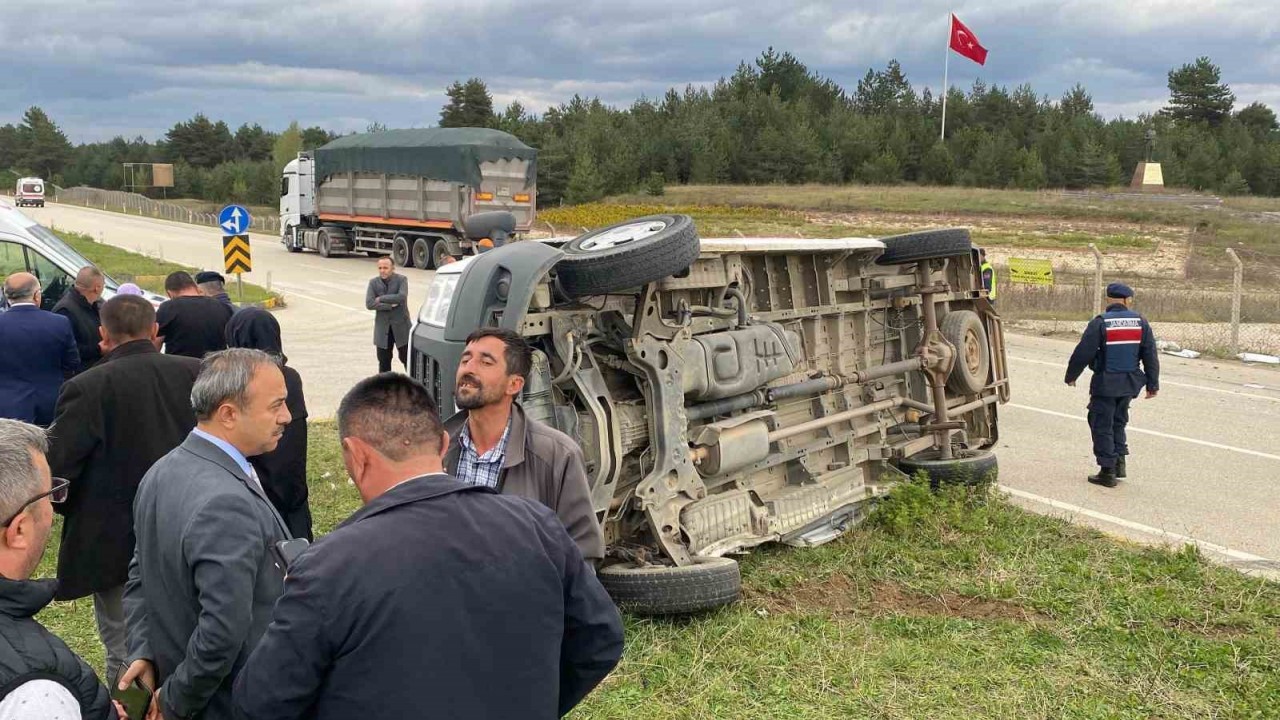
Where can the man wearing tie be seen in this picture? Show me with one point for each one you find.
(203, 578)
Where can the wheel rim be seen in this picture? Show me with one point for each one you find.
(420, 254)
(622, 235)
(972, 352)
(439, 253)
(400, 251)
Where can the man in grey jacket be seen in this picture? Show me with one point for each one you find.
(498, 446)
(388, 296)
(204, 578)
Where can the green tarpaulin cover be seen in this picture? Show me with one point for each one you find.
(450, 154)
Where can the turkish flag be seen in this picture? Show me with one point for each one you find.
(966, 43)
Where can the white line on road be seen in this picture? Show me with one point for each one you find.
(1058, 504)
(1063, 367)
(348, 308)
(1156, 433)
(313, 266)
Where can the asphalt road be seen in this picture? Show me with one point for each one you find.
(1204, 452)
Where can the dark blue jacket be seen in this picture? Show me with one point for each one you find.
(37, 352)
(437, 600)
(1112, 346)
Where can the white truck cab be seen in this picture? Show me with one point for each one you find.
(30, 191)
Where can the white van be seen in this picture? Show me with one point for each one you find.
(30, 191)
(28, 246)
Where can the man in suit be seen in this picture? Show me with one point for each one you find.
(113, 422)
(436, 598)
(388, 296)
(82, 306)
(203, 578)
(39, 352)
(191, 323)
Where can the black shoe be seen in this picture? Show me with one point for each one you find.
(1106, 477)
(1120, 472)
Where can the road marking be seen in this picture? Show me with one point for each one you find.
(348, 288)
(1063, 367)
(313, 266)
(1156, 433)
(348, 308)
(1203, 544)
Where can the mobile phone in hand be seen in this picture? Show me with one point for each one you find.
(287, 551)
(136, 700)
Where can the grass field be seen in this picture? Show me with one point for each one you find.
(147, 272)
(941, 606)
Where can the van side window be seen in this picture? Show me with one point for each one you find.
(11, 259)
(54, 283)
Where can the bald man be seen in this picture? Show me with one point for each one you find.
(39, 353)
(81, 307)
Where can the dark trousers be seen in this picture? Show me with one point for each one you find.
(1108, 417)
(384, 354)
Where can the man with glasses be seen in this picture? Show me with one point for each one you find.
(44, 678)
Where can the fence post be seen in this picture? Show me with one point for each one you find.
(1237, 288)
(1097, 279)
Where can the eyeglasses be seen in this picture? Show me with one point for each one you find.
(58, 494)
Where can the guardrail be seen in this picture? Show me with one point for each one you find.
(135, 204)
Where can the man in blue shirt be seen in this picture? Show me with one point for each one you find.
(1112, 346)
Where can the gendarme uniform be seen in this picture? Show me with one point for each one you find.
(1113, 346)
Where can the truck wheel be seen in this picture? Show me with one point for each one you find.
(323, 244)
(627, 255)
(968, 467)
(400, 252)
(291, 239)
(664, 590)
(440, 255)
(964, 329)
(422, 253)
(925, 245)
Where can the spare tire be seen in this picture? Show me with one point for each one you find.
(964, 330)
(665, 590)
(968, 467)
(925, 245)
(627, 255)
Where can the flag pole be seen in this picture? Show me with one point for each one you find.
(946, 68)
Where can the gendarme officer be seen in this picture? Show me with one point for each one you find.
(1112, 346)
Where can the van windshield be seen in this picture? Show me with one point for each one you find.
(59, 250)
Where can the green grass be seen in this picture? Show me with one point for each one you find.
(941, 606)
(147, 272)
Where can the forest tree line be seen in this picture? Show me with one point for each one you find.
(772, 121)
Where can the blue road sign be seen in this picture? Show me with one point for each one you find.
(234, 220)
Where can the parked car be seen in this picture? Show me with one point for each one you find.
(732, 392)
(28, 246)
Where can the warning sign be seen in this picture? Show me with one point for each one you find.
(235, 254)
(1030, 272)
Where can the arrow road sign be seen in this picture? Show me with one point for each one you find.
(235, 254)
(234, 220)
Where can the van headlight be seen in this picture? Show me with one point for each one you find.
(435, 311)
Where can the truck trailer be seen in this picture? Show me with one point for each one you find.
(422, 196)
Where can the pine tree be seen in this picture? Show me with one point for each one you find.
(470, 105)
(1198, 95)
(45, 150)
(585, 184)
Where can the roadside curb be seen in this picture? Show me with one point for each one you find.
(271, 303)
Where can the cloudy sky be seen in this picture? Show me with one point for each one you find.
(103, 68)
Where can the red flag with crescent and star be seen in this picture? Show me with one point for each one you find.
(966, 43)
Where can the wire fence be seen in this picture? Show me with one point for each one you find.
(136, 204)
(1222, 316)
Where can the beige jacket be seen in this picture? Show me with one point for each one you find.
(542, 464)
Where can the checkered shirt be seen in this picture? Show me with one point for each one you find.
(476, 469)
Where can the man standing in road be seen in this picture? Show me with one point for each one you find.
(436, 599)
(81, 306)
(1112, 346)
(500, 447)
(40, 676)
(203, 578)
(113, 422)
(39, 352)
(214, 285)
(388, 296)
(191, 323)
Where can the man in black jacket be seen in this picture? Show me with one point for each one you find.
(81, 306)
(283, 471)
(436, 598)
(191, 324)
(112, 423)
(39, 677)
